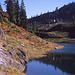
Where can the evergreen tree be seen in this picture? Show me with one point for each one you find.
(34, 26)
(1, 7)
(11, 10)
(56, 9)
(17, 12)
(23, 17)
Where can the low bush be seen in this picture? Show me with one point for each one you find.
(28, 38)
(6, 22)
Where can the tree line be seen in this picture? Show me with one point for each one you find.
(17, 13)
(64, 14)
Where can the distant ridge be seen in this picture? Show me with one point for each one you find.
(64, 14)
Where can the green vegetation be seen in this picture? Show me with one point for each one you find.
(11, 10)
(1, 20)
(13, 71)
(6, 47)
(23, 17)
(17, 11)
(6, 22)
(17, 14)
(18, 30)
(0, 67)
(28, 38)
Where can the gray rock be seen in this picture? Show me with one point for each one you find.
(6, 58)
(11, 58)
(2, 33)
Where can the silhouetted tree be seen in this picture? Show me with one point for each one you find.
(34, 26)
(56, 9)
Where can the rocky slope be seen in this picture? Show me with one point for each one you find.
(9, 56)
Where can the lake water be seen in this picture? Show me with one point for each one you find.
(57, 62)
(68, 49)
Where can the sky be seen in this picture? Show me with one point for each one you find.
(36, 7)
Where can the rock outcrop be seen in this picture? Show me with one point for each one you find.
(2, 34)
(11, 57)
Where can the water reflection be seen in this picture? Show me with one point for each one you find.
(57, 62)
(64, 62)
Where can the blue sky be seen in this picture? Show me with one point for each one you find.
(34, 7)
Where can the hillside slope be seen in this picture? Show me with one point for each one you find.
(18, 45)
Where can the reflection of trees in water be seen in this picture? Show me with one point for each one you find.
(65, 62)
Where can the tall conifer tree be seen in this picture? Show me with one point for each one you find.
(11, 10)
(23, 17)
(17, 11)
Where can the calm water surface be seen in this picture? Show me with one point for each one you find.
(57, 62)
(68, 49)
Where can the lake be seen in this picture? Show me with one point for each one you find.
(57, 62)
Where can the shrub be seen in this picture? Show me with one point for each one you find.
(18, 30)
(28, 38)
(1, 18)
(13, 26)
(2, 24)
(9, 30)
(6, 22)
(32, 32)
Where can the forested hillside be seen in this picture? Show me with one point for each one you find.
(63, 14)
